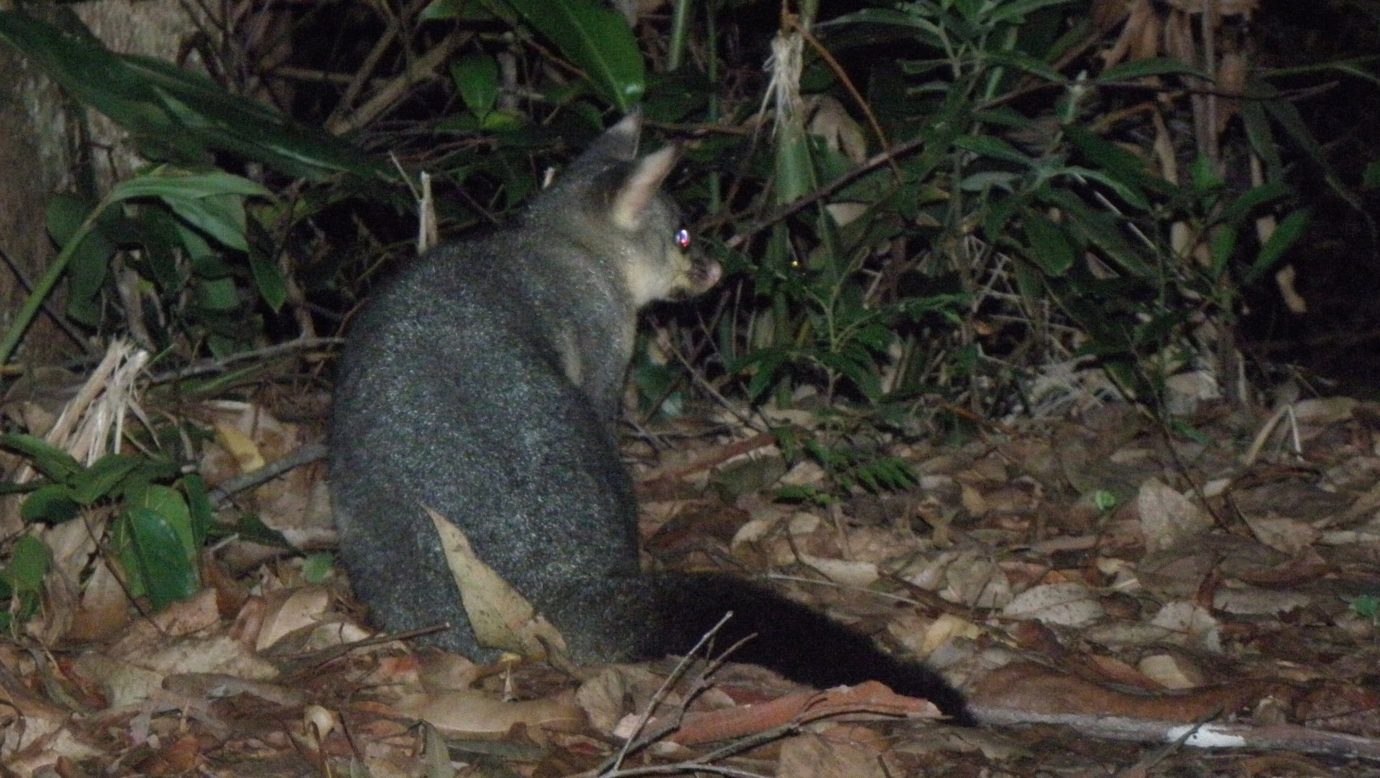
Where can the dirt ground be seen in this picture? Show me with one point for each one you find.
(1116, 598)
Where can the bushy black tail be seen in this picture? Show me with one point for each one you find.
(785, 636)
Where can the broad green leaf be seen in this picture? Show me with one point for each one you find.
(89, 265)
(221, 121)
(1112, 160)
(165, 564)
(53, 462)
(102, 478)
(269, 280)
(168, 502)
(175, 114)
(49, 504)
(29, 562)
(170, 183)
(596, 39)
(1128, 191)
(220, 217)
(1102, 230)
(218, 294)
(1206, 179)
(96, 77)
(476, 76)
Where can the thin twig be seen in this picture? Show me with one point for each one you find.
(304, 455)
(217, 365)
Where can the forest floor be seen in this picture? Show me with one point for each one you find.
(1115, 598)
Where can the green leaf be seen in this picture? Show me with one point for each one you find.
(996, 148)
(269, 280)
(53, 462)
(29, 562)
(1051, 249)
(218, 294)
(1242, 206)
(178, 115)
(1016, 10)
(101, 479)
(171, 183)
(1026, 63)
(1142, 68)
(199, 508)
(164, 565)
(318, 568)
(1224, 238)
(476, 76)
(89, 265)
(596, 39)
(95, 77)
(1290, 229)
(49, 504)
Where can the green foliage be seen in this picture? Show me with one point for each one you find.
(849, 465)
(948, 200)
(193, 211)
(174, 114)
(21, 581)
(162, 517)
(1367, 606)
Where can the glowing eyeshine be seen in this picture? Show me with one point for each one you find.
(683, 238)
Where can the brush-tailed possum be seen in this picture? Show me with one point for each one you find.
(484, 382)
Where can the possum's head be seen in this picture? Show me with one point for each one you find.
(631, 222)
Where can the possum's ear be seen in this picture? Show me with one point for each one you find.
(640, 186)
(617, 144)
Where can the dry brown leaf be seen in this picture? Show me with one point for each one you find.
(475, 714)
(1253, 601)
(1167, 517)
(843, 571)
(1023, 686)
(1172, 671)
(1325, 411)
(1068, 604)
(184, 617)
(1286, 535)
(104, 608)
(289, 610)
(1190, 626)
(500, 616)
(816, 756)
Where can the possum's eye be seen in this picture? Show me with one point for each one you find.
(683, 238)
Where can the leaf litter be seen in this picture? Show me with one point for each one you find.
(1111, 595)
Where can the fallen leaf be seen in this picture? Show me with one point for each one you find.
(815, 756)
(1167, 518)
(500, 616)
(1067, 604)
(475, 714)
